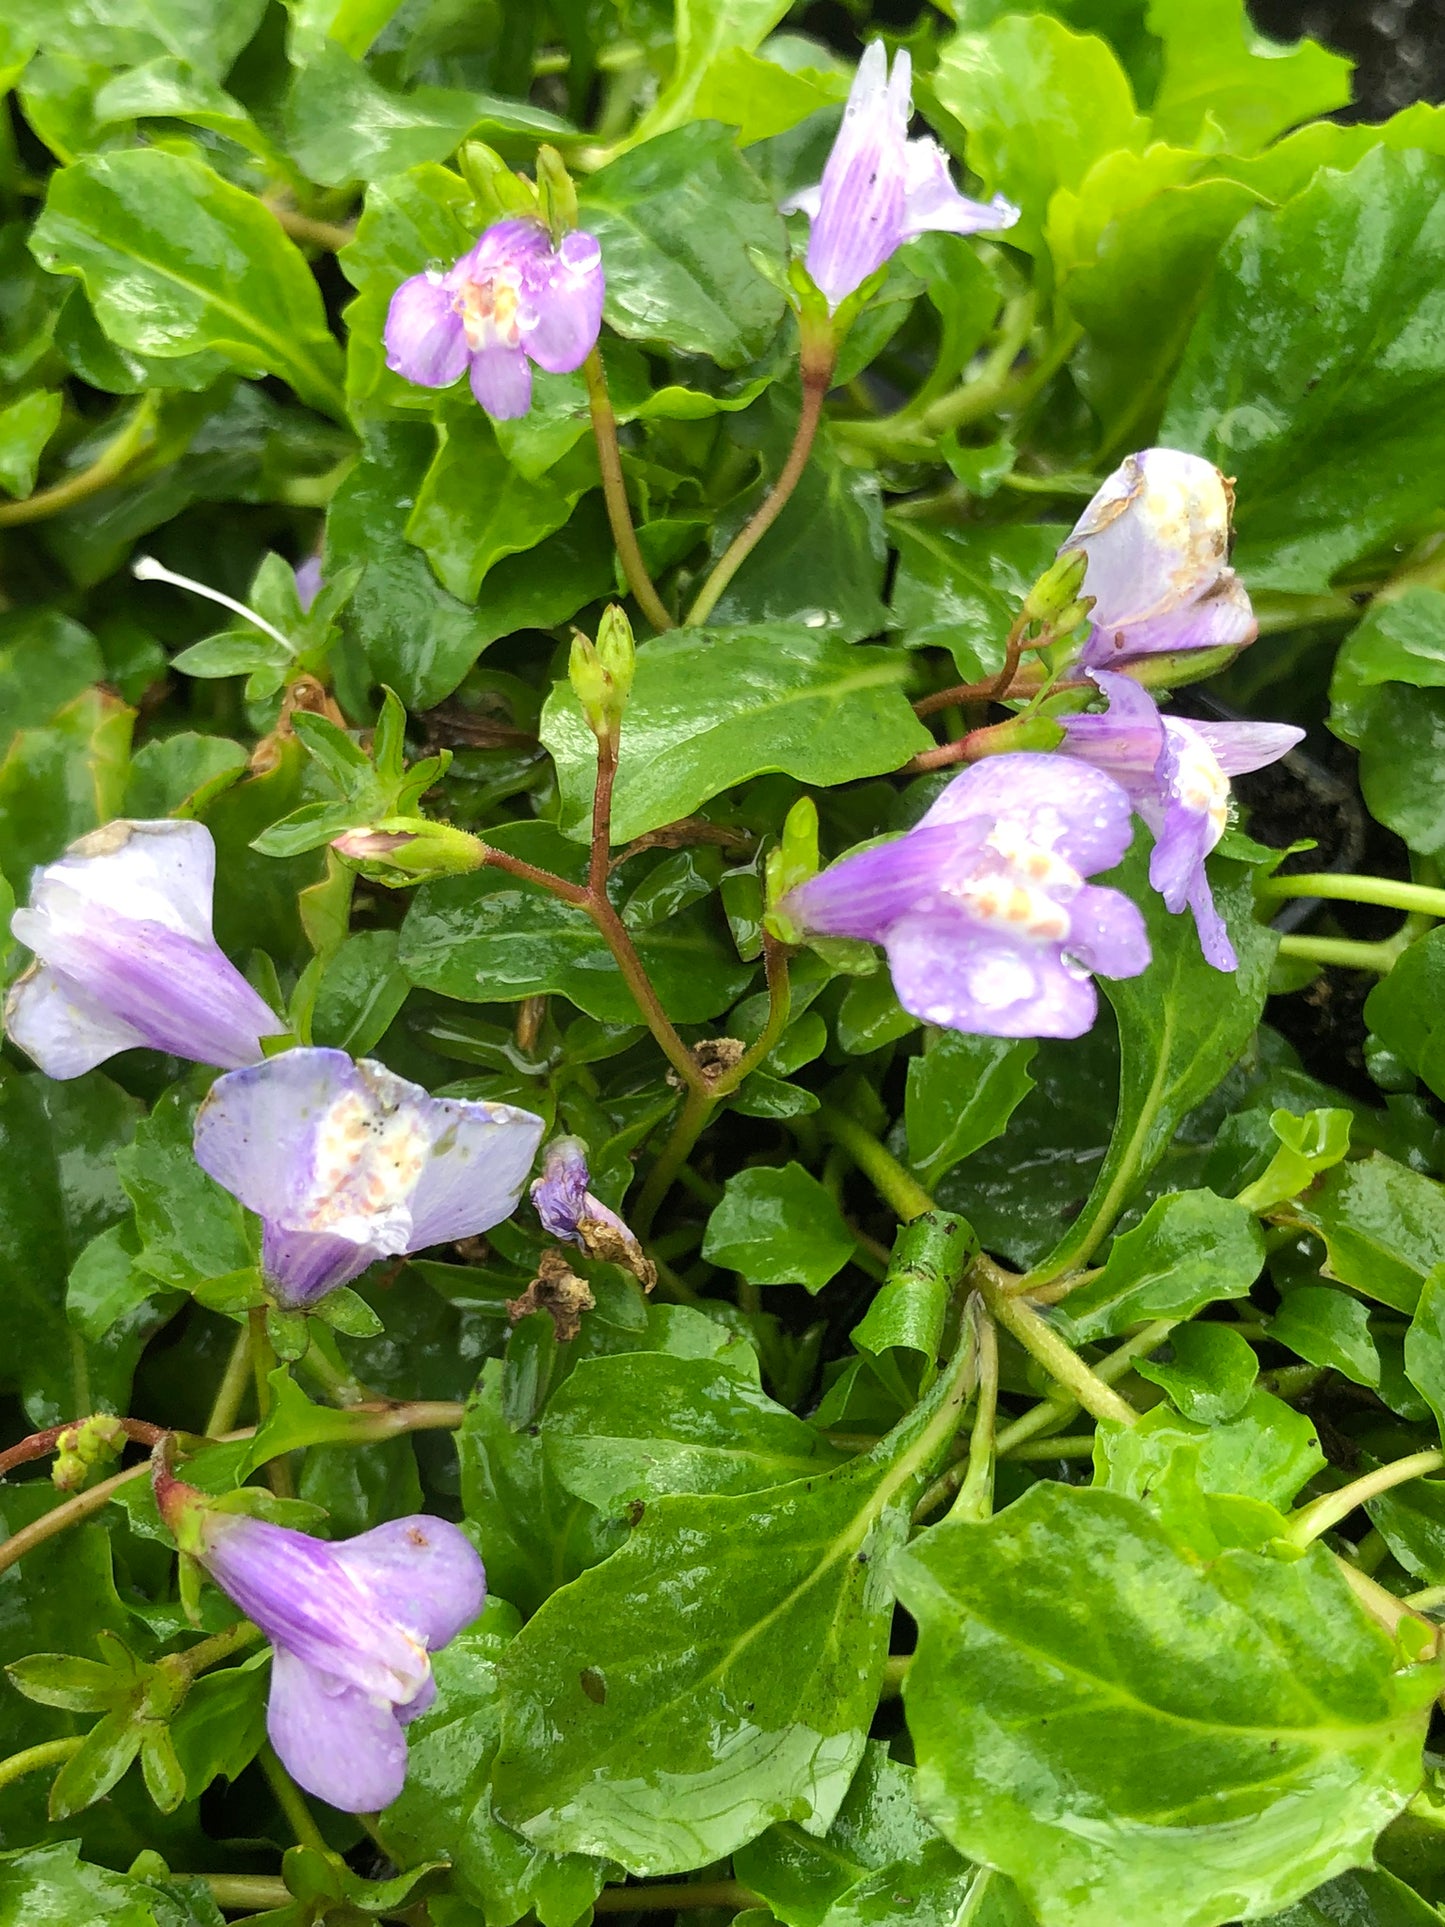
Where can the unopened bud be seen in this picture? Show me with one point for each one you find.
(404, 850)
(795, 858)
(601, 673)
(98, 1438)
(499, 191)
(616, 650)
(556, 193)
(1057, 590)
(68, 1472)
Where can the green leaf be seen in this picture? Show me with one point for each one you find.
(930, 1255)
(1267, 1453)
(190, 1229)
(1308, 1145)
(961, 1094)
(58, 783)
(1411, 1520)
(361, 990)
(1399, 641)
(168, 775)
(761, 97)
(25, 427)
(644, 1425)
(705, 33)
(1383, 1227)
(46, 661)
(1221, 78)
(1182, 1024)
(175, 261)
(719, 1671)
(1310, 345)
(1210, 1375)
(445, 1810)
(1402, 761)
(343, 125)
(1404, 1009)
(1146, 1749)
(1190, 1250)
(51, 1886)
(1425, 1344)
(960, 589)
(221, 1723)
(206, 34)
(778, 1226)
(490, 939)
(1368, 1897)
(676, 218)
(711, 708)
(473, 507)
(1039, 105)
(1328, 1328)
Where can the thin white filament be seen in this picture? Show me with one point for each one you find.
(145, 568)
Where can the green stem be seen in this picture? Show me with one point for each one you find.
(232, 1389)
(1063, 1445)
(975, 1495)
(882, 1170)
(817, 370)
(112, 462)
(780, 1004)
(696, 1110)
(36, 1758)
(895, 1671)
(1388, 891)
(289, 1798)
(210, 1652)
(615, 935)
(701, 1893)
(1382, 1605)
(1308, 1523)
(1379, 957)
(914, 429)
(248, 1893)
(614, 493)
(1043, 1343)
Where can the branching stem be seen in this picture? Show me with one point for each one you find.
(113, 460)
(614, 493)
(1322, 1513)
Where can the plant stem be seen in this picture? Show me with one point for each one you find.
(1063, 1445)
(817, 371)
(38, 1444)
(975, 1495)
(1389, 891)
(210, 1652)
(1379, 957)
(555, 886)
(913, 428)
(780, 1004)
(1378, 1601)
(883, 1171)
(289, 1798)
(701, 1893)
(35, 1758)
(598, 867)
(111, 463)
(1042, 1342)
(232, 1388)
(614, 493)
(1308, 1523)
(249, 1893)
(895, 1671)
(305, 228)
(696, 1110)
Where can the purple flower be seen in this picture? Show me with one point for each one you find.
(983, 908)
(1176, 773)
(880, 189)
(345, 1163)
(1157, 541)
(121, 930)
(510, 300)
(569, 1211)
(353, 1627)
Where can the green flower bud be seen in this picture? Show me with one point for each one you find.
(601, 673)
(402, 850)
(1056, 592)
(795, 858)
(556, 193)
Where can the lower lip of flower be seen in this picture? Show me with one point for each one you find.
(1000, 903)
(365, 1161)
(1202, 785)
(488, 310)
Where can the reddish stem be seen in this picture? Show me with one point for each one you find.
(40, 1444)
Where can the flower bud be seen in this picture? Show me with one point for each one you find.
(795, 858)
(556, 192)
(402, 850)
(601, 673)
(1057, 589)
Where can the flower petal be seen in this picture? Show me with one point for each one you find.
(1213, 936)
(425, 340)
(948, 971)
(1107, 932)
(807, 200)
(1241, 747)
(512, 244)
(338, 1744)
(1125, 743)
(1222, 618)
(1054, 801)
(502, 381)
(423, 1573)
(859, 223)
(143, 872)
(305, 1599)
(1156, 536)
(480, 1157)
(60, 1028)
(933, 205)
(561, 319)
(864, 894)
(302, 1266)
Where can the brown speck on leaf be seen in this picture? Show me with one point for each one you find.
(559, 1292)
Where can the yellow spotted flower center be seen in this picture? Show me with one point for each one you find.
(488, 309)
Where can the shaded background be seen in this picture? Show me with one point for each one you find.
(1399, 45)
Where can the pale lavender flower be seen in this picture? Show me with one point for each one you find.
(345, 1163)
(511, 300)
(121, 930)
(1157, 541)
(353, 1627)
(569, 1211)
(983, 908)
(308, 582)
(880, 189)
(1176, 772)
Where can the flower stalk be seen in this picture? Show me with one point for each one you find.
(614, 493)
